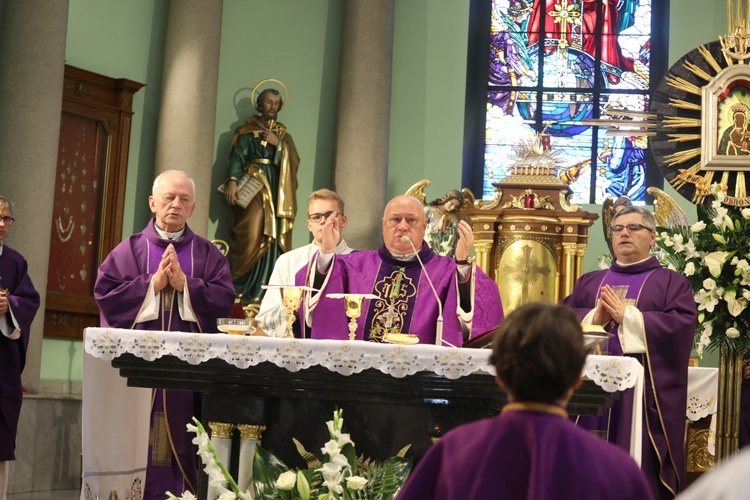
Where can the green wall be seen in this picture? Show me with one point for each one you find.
(302, 49)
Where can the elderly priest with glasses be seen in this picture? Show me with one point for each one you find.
(417, 291)
(651, 312)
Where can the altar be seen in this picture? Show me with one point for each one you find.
(392, 395)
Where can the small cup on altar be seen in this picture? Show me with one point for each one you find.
(235, 326)
(353, 307)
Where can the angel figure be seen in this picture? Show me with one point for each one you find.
(609, 208)
(442, 216)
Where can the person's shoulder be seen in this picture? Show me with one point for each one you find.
(15, 254)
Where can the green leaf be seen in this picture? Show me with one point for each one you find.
(387, 478)
(266, 469)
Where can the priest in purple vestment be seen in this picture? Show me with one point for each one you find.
(406, 302)
(531, 450)
(167, 278)
(652, 315)
(19, 302)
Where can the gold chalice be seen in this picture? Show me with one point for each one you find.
(353, 311)
(291, 297)
(353, 307)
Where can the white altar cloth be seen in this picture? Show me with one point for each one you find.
(112, 409)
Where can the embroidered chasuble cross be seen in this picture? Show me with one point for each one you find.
(391, 313)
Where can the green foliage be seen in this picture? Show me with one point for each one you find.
(330, 480)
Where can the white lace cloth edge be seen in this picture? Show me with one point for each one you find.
(609, 372)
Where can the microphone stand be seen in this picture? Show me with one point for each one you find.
(439, 325)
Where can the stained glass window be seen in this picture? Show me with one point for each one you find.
(555, 64)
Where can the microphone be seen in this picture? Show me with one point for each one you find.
(439, 326)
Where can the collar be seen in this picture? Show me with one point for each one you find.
(622, 264)
(535, 407)
(166, 235)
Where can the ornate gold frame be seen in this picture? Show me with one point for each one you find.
(711, 117)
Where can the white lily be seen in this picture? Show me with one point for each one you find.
(715, 261)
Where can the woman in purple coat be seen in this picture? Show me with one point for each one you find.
(531, 450)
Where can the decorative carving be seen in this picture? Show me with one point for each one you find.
(566, 204)
(89, 188)
(62, 319)
(251, 431)
(698, 457)
(529, 200)
(221, 430)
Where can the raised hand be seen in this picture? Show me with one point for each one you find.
(331, 234)
(465, 241)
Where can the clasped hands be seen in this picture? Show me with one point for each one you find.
(169, 272)
(609, 308)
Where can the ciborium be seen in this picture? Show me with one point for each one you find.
(353, 307)
(291, 298)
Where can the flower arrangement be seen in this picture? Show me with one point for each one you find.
(218, 475)
(714, 255)
(343, 476)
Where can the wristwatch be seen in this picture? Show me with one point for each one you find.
(468, 260)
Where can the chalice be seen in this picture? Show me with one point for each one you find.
(291, 298)
(353, 307)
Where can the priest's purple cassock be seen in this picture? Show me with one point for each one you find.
(121, 291)
(530, 454)
(665, 300)
(407, 303)
(23, 301)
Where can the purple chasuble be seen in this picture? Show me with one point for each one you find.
(406, 302)
(23, 301)
(524, 454)
(669, 319)
(121, 290)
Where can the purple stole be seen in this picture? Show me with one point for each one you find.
(628, 288)
(397, 285)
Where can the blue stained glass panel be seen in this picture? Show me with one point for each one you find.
(595, 54)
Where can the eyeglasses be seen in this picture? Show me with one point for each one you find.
(632, 228)
(7, 220)
(395, 221)
(319, 217)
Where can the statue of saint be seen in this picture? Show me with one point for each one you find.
(261, 186)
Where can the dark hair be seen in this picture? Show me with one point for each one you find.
(538, 352)
(646, 216)
(263, 94)
(453, 194)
